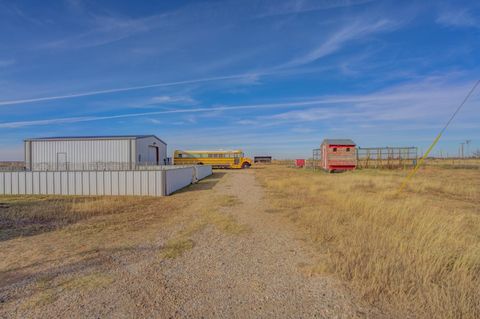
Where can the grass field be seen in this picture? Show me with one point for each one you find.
(417, 253)
(57, 244)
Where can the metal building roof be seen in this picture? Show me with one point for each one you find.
(338, 141)
(99, 137)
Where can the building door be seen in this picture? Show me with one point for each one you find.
(154, 155)
(61, 162)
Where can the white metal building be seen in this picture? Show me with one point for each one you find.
(94, 152)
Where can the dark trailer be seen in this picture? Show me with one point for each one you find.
(262, 159)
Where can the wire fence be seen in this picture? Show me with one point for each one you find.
(92, 166)
(386, 157)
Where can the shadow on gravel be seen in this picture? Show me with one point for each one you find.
(86, 262)
(22, 216)
(205, 184)
(32, 216)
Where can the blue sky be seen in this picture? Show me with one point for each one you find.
(270, 77)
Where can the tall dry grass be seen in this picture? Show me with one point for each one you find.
(30, 215)
(43, 232)
(416, 254)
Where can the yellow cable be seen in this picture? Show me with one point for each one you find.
(420, 162)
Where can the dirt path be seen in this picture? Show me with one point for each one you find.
(237, 261)
(254, 275)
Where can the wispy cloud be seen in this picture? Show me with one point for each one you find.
(52, 121)
(168, 99)
(273, 8)
(457, 17)
(6, 63)
(431, 99)
(411, 101)
(161, 101)
(354, 31)
(101, 30)
(125, 89)
(154, 121)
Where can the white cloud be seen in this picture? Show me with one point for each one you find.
(247, 122)
(353, 31)
(303, 130)
(6, 63)
(299, 6)
(154, 121)
(167, 99)
(432, 99)
(455, 17)
(126, 89)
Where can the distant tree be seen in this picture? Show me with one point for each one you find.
(476, 153)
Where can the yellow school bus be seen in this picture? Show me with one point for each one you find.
(218, 159)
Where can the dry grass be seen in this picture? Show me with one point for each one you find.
(30, 215)
(52, 245)
(176, 247)
(56, 234)
(49, 289)
(454, 163)
(417, 253)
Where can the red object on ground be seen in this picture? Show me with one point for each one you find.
(299, 162)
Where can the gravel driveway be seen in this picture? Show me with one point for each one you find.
(233, 260)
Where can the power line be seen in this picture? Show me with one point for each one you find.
(420, 162)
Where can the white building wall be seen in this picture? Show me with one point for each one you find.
(159, 182)
(146, 153)
(79, 152)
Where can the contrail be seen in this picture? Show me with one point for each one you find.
(194, 110)
(132, 88)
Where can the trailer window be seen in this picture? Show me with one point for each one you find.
(334, 149)
(348, 149)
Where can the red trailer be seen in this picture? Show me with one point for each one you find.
(299, 162)
(338, 155)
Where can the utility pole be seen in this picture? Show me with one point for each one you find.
(461, 149)
(468, 147)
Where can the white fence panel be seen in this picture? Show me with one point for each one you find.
(36, 183)
(146, 183)
(178, 178)
(57, 183)
(144, 178)
(8, 182)
(28, 183)
(137, 181)
(22, 189)
(98, 183)
(203, 171)
(14, 181)
(65, 184)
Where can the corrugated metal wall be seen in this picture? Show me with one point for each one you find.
(203, 171)
(146, 183)
(148, 154)
(179, 178)
(99, 183)
(81, 151)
